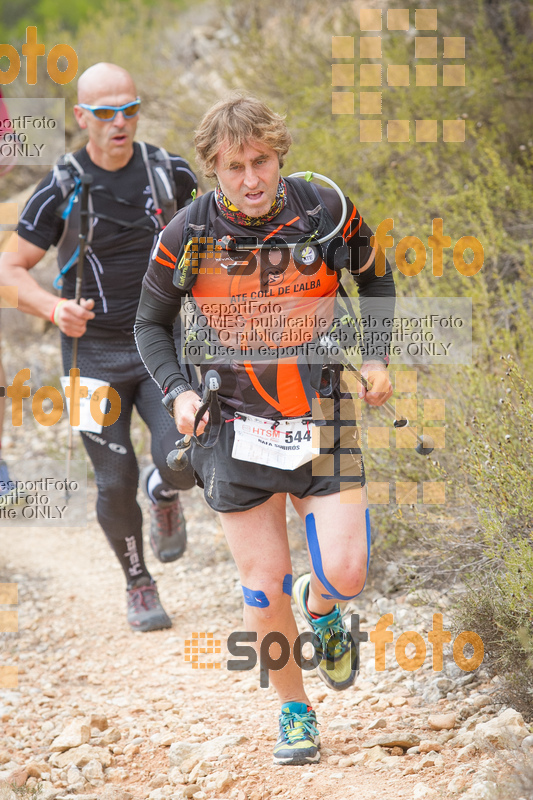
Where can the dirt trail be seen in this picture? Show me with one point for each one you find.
(78, 661)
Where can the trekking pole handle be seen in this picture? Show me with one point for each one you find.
(212, 383)
(398, 422)
(177, 459)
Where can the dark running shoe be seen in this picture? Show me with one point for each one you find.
(145, 612)
(168, 532)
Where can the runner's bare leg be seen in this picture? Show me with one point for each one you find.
(341, 530)
(258, 541)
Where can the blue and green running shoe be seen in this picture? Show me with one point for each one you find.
(339, 666)
(299, 739)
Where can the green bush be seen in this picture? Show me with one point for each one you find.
(16, 15)
(498, 603)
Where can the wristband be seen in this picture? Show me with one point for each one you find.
(168, 399)
(55, 312)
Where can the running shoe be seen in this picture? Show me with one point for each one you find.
(145, 612)
(168, 532)
(299, 739)
(339, 666)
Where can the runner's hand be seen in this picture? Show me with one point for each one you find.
(186, 405)
(377, 376)
(72, 318)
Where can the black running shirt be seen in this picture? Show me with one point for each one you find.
(117, 258)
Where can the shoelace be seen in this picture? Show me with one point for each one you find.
(144, 597)
(167, 519)
(298, 726)
(332, 628)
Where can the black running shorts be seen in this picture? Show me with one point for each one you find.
(233, 485)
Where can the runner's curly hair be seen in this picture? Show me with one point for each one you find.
(235, 121)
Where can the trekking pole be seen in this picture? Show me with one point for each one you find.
(86, 181)
(177, 459)
(425, 444)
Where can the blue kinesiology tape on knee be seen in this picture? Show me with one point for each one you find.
(287, 584)
(255, 598)
(368, 543)
(316, 558)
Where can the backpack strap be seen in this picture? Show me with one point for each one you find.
(318, 213)
(197, 225)
(67, 172)
(162, 184)
(313, 204)
(164, 178)
(155, 199)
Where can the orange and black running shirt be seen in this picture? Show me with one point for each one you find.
(243, 301)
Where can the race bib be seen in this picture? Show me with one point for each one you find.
(97, 391)
(285, 444)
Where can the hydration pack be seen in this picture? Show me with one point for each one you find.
(317, 377)
(68, 172)
(197, 226)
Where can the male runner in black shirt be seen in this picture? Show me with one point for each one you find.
(124, 224)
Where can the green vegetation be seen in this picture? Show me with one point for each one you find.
(15, 16)
(481, 538)
(498, 603)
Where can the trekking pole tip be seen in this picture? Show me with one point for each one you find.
(177, 460)
(425, 446)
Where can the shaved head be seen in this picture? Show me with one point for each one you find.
(110, 143)
(103, 79)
